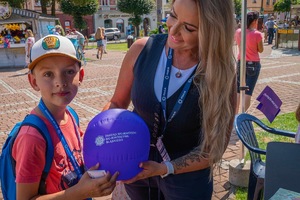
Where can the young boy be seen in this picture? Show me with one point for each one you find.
(56, 73)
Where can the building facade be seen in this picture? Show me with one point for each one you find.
(109, 16)
(264, 7)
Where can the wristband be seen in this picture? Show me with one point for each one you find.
(170, 169)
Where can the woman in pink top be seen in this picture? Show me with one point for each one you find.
(254, 46)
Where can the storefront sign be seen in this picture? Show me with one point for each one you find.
(284, 31)
(5, 10)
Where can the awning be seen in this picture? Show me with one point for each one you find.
(25, 13)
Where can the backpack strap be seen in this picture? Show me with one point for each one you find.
(74, 114)
(39, 124)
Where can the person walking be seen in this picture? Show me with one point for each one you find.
(254, 46)
(80, 39)
(270, 25)
(161, 28)
(99, 38)
(30, 40)
(183, 85)
(104, 41)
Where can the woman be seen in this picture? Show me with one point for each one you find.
(254, 46)
(99, 36)
(104, 41)
(195, 57)
(30, 40)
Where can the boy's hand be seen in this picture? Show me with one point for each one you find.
(95, 187)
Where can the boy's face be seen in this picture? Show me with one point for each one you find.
(57, 78)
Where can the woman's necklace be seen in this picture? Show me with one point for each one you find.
(178, 74)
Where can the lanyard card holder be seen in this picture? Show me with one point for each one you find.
(162, 150)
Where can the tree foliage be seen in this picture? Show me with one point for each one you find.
(78, 9)
(237, 7)
(16, 3)
(136, 8)
(283, 6)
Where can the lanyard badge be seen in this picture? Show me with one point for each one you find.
(159, 144)
(162, 150)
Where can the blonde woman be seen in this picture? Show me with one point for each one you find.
(99, 36)
(183, 85)
(30, 40)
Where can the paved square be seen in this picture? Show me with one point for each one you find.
(280, 70)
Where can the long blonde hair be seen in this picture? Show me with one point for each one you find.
(99, 34)
(215, 77)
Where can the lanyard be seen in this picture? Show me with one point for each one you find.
(165, 87)
(60, 135)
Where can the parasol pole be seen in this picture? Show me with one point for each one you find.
(243, 86)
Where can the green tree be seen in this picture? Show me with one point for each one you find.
(16, 3)
(136, 8)
(238, 7)
(283, 6)
(78, 9)
(20, 4)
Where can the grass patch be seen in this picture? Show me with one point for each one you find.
(241, 193)
(110, 46)
(117, 46)
(284, 122)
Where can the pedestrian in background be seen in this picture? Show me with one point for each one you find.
(99, 38)
(58, 30)
(161, 28)
(183, 85)
(80, 39)
(104, 41)
(254, 46)
(270, 24)
(30, 40)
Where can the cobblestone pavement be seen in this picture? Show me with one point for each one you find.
(280, 70)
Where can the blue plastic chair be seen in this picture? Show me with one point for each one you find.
(243, 125)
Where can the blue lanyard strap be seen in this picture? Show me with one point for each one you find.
(60, 135)
(165, 87)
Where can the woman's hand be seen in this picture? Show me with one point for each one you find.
(88, 187)
(150, 168)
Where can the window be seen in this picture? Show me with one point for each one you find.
(37, 3)
(268, 2)
(253, 1)
(274, 1)
(104, 2)
(107, 23)
(120, 25)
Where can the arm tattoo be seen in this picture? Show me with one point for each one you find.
(193, 156)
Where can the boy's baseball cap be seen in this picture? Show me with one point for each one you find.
(51, 45)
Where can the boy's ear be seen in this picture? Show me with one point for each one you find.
(81, 75)
(32, 81)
